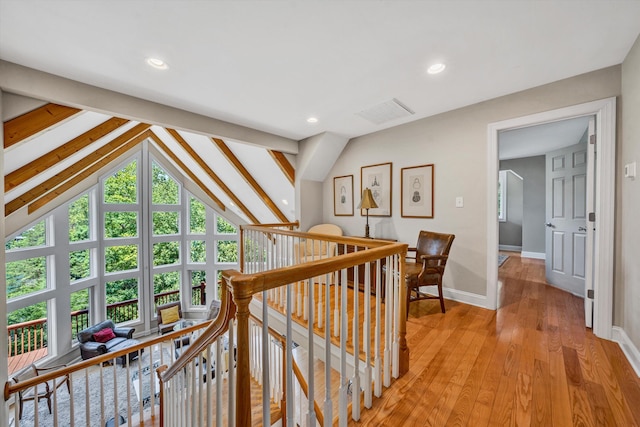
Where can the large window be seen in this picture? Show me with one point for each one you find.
(135, 240)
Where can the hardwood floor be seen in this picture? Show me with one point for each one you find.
(531, 362)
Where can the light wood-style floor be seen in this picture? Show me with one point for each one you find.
(532, 362)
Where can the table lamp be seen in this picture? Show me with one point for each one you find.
(367, 202)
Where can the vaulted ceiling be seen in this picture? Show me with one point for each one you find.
(52, 148)
(268, 66)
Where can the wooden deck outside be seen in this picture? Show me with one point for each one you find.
(25, 359)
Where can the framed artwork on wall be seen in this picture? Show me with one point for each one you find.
(416, 186)
(378, 179)
(343, 195)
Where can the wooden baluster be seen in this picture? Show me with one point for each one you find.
(367, 335)
(377, 373)
(355, 381)
(343, 397)
(328, 405)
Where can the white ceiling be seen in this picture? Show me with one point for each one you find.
(270, 65)
(540, 139)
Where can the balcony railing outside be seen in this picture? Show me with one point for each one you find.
(32, 335)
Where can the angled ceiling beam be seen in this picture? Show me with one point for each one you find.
(284, 164)
(29, 124)
(186, 170)
(74, 169)
(250, 180)
(78, 178)
(185, 145)
(51, 158)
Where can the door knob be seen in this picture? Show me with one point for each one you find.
(582, 228)
(550, 225)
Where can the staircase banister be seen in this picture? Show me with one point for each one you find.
(294, 224)
(349, 240)
(214, 331)
(11, 388)
(246, 285)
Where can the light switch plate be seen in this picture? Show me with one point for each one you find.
(630, 170)
(459, 202)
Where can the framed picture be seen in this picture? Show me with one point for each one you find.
(416, 185)
(378, 179)
(343, 195)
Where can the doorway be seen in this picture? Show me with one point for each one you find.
(601, 266)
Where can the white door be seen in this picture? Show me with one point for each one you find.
(566, 213)
(591, 208)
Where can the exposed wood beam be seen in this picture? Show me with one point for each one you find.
(78, 178)
(185, 145)
(51, 158)
(186, 170)
(250, 180)
(28, 124)
(72, 170)
(285, 166)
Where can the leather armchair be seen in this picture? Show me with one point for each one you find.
(90, 348)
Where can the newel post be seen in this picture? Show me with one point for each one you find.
(241, 297)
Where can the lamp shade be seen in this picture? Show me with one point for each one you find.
(367, 202)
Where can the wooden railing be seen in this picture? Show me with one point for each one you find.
(27, 336)
(132, 390)
(371, 349)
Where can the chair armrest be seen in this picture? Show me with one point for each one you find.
(91, 349)
(124, 332)
(434, 257)
(50, 368)
(411, 250)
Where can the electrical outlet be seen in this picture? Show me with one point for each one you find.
(459, 202)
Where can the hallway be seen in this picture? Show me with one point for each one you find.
(532, 362)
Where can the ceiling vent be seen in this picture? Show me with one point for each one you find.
(386, 112)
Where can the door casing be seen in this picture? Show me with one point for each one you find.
(603, 264)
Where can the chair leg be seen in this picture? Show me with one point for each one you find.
(440, 296)
(408, 300)
(49, 403)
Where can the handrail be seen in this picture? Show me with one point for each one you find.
(215, 330)
(10, 388)
(27, 323)
(279, 224)
(246, 285)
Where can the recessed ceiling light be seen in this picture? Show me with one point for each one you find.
(157, 63)
(436, 68)
(285, 201)
(312, 120)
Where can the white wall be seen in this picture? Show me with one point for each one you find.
(456, 142)
(627, 276)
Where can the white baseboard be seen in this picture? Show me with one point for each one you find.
(510, 248)
(535, 255)
(465, 297)
(628, 348)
